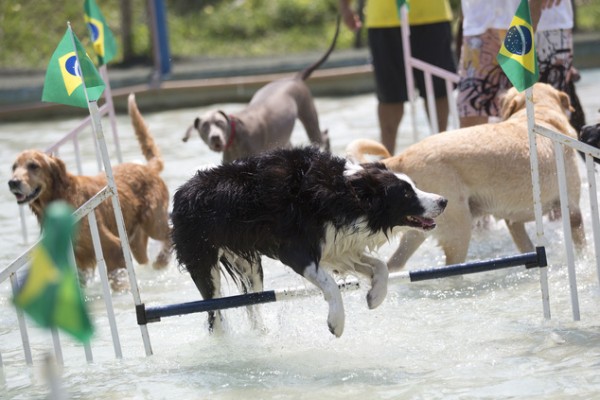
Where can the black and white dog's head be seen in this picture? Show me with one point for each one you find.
(303, 207)
(392, 199)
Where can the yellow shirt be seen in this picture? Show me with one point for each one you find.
(384, 14)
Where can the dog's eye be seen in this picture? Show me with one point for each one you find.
(32, 166)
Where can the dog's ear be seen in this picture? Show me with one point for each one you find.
(58, 170)
(197, 122)
(565, 102)
(510, 102)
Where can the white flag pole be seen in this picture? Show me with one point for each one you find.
(408, 70)
(97, 128)
(537, 204)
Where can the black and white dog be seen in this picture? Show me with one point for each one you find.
(304, 207)
(590, 134)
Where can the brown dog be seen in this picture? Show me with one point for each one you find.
(485, 170)
(39, 178)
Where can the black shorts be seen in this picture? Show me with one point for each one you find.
(430, 43)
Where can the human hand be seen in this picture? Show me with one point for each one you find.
(350, 18)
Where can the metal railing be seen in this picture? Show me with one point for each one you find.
(429, 72)
(561, 143)
(87, 210)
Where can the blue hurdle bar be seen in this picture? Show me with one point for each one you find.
(154, 314)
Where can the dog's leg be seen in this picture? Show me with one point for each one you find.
(164, 256)
(307, 114)
(251, 278)
(575, 218)
(296, 254)
(409, 243)
(454, 234)
(138, 242)
(520, 236)
(113, 256)
(326, 146)
(157, 227)
(377, 271)
(209, 286)
(215, 319)
(577, 230)
(333, 297)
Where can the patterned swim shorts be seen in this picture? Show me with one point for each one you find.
(482, 81)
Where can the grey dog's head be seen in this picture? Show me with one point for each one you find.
(214, 129)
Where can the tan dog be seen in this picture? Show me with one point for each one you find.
(39, 179)
(485, 170)
(268, 120)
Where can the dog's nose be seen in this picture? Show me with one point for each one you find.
(14, 184)
(443, 202)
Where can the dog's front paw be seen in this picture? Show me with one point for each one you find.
(335, 321)
(119, 280)
(336, 328)
(162, 260)
(376, 296)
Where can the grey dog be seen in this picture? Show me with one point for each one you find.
(268, 120)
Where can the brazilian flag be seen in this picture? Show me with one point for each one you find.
(67, 72)
(399, 4)
(51, 294)
(103, 40)
(517, 56)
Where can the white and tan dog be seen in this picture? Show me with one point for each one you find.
(268, 120)
(485, 170)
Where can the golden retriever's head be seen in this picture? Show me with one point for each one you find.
(543, 95)
(35, 175)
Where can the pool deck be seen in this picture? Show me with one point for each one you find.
(204, 81)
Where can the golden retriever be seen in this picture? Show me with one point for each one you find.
(485, 170)
(39, 178)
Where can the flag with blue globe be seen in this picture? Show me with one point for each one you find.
(517, 56)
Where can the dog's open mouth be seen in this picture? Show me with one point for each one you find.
(22, 198)
(426, 224)
(216, 147)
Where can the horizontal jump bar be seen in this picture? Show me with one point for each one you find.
(154, 314)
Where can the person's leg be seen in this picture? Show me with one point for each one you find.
(385, 45)
(481, 78)
(432, 43)
(554, 50)
(390, 116)
(441, 111)
(441, 107)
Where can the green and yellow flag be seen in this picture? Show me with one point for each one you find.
(517, 55)
(399, 4)
(103, 40)
(63, 83)
(51, 294)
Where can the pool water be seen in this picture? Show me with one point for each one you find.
(477, 336)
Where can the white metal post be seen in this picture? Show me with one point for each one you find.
(537, 199)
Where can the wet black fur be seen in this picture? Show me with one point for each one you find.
(278, 204)
(590, 134)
